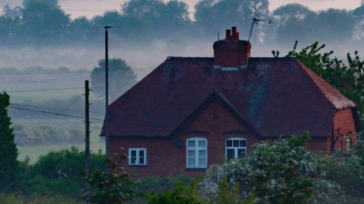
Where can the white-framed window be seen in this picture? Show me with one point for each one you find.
(341, 145)
(235, 148)
(137, 156)
(348, 144)
(196, 152)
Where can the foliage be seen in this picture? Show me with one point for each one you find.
(160, 184)
(178, 195)
(213, 16)
(283, 171)
(110, 187)
(121, 78)
(43, 22)
(9, 151)
(347, 171)
(66, 163)
(231, 196)
(20, 199)
(299, 23)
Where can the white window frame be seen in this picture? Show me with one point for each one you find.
(341, 145)
(196, 148)
(236, 148)
(137, 156)
(348, 144)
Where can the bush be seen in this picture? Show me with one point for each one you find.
(66, 163)
(160, 184)
(283, 171)
(20, 199)
(109, 187)
(55, 174)
(178, 195)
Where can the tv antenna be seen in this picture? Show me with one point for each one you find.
(255, 20)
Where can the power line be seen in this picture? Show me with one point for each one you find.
(55, 109)
(59, 114)
(45, 90)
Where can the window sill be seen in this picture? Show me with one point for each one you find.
(195, 169)
(137, 165)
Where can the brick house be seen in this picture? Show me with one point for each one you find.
(190, 112)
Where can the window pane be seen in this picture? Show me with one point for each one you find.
(241, 153)
(236, 143)
(191, 154)
(191, 143)
(202, 143)
(242, 143)
(141, 153)
(202, 161)
(141, 160)
(229, 143)
(133, 153)
(201, 153)
(230, 154)
(191, 162)
(133, 160)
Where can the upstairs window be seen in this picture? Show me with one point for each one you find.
(235, 148)
(196, 152)
(137, 156)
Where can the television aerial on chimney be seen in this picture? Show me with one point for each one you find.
(255, 20)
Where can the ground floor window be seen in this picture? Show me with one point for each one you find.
(235, 148)
(196, 152)
(137, 156)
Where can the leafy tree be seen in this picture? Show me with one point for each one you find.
(178, 195)
(8, 149)
(166, 19)
(214, 15)
(44, 22)
(50, 2)
(121, 78)
(282, 171)
(80, 29)
(332, 25)
(112, 187)
(291, 11)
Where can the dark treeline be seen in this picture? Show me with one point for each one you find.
(142, 22)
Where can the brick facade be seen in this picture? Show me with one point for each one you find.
(215, 123)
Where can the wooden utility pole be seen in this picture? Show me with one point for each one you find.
(87, 131)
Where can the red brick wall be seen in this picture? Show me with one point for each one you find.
(164, 159)
(343, 126)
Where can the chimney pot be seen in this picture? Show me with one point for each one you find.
(234, 30)
(227, 37)
(231, 52)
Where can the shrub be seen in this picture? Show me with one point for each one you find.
(283, 171)
(160, 184)
(178, 195)
(109, 187)
(20, 199)
(66, 163)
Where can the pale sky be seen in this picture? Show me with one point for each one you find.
(91, 8)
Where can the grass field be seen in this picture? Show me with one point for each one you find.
(35, 151)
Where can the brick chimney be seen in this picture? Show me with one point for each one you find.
(231, 52)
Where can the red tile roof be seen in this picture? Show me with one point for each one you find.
(275, 96)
